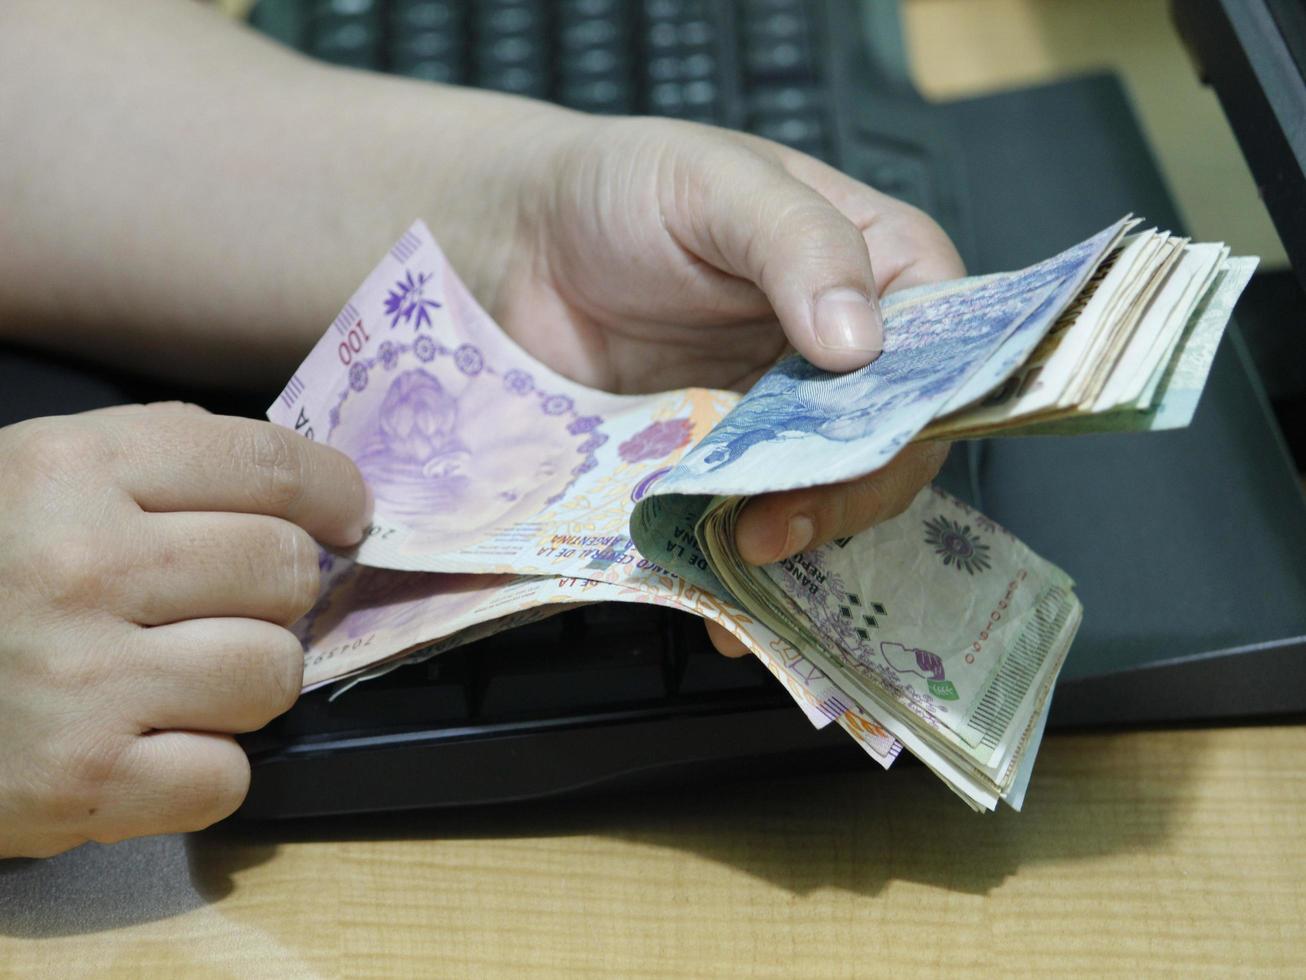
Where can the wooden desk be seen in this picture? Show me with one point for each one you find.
(1180, 851)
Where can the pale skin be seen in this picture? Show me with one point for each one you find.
(181, 196)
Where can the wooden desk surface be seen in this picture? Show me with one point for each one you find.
(1176, 851)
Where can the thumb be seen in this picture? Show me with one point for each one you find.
(752, 219)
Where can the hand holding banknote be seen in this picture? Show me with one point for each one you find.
(662, 255)
(938, 631)
(152, 560)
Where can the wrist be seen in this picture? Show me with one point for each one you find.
(477, 167)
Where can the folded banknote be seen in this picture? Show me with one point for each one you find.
(505, 492)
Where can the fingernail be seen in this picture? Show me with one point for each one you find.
(846, 320)
(800, 533)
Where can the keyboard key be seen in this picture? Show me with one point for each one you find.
(430, 69)
(346, 8)
(578, 36)
(701, 96)
(665, 68)
(696, 34)
(900, 172)
(346, 42)
(785, 100)
(699, 65)
(613, 96)
(611, 9)
(805, 133)
(512, 18)
(428, 46)
(666, 99)
(512, 52)
(428, 39)
(777, 43)
(662, 38)
(665, 9)
(446, 16)
(593, 56)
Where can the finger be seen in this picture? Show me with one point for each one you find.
(725, 641)
(171, 782)
(183, 461)
(776, 525)
(190, 566)
(184, 408)
(39, 845)
(212, 675)
(907, 247)
(749, 217)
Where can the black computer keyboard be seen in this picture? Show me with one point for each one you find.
(600, 659)
(799, 72)
(607, 691)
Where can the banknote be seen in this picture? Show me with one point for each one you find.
(800, 426)
(480, 458)
(368, 621)
(366, 615)
(944, 625)
(1133, 357)
(1170, 399)
(506, 492)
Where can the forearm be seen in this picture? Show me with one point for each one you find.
(179, 195)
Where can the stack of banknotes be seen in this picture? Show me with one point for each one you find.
(505, 492)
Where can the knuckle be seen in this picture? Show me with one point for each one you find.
(276, 467)
(925, 235)
(935, 455)
(920, 464)
(298, 559)
(93, 761)
(818, 226)
(282, 671)
(79, 773)
(78, 673)
(261, 678)
(74, 572)
(914, 223)
(219, 791)
(290, 660)
(864, 506)
(56, 449)
(189, 408)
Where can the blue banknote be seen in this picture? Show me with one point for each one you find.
(945, 345)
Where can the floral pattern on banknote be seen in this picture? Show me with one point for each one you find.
(657, 441)
(957, 545)
(405, 303)
(604, 504)
(442, 440)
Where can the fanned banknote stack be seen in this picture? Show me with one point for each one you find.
(505, 492)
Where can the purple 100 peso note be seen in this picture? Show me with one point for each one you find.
(480, 458)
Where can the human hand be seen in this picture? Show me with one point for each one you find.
(150, 560)
(654, 254)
